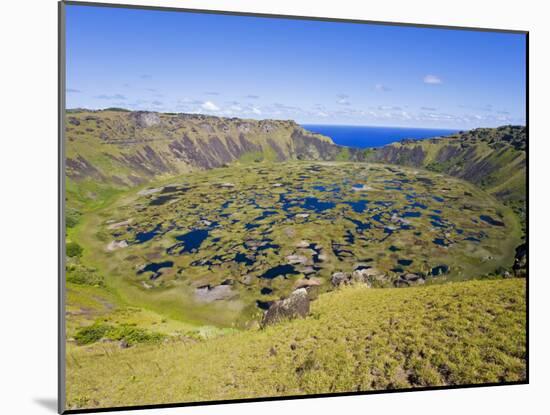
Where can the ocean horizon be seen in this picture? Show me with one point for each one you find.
(373, 136)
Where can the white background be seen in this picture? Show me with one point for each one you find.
(28, 157)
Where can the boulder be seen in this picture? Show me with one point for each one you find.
(147, 192)
(303, 244)
(361, 276)
(295, 306)
(360, 188)
(74, 121)
(117, 225)
(322, 257)
(247, 279)
(375, 274)
(307, 282)
(340, 278)
(113, 245)
(296, 259)
(307, 270)
(409, 279)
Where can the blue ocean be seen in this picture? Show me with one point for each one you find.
(365, 136)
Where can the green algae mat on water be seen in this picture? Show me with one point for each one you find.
(216, 247)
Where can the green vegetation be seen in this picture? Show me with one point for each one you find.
(356, 339)
(343, 155)
(77, 273)
(72, 216)
(73, 249)
(129, 334)
(91, 334)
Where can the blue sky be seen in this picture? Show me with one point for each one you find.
(309, 71)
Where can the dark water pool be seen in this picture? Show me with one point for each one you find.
(491, 221)
(279, 270)
(440, 242)
(192, 241)
(412, 214)
(142, 237)
(439, 270)
(358, 206)
(155, 267)
(312, 203)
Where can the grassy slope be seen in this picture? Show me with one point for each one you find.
(355, 339)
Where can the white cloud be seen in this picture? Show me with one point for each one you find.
(389, 107)
(432, 79)
(343, 99)
(256, 111)
(111, 97)
(381, 88)
(209, 106)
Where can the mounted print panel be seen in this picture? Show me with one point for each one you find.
(259, 207)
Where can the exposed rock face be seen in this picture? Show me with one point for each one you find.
(79, 168)
(144, 119)
(411, 155)
(296, 305)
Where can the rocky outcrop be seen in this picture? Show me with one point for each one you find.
(295, 306)
(406, 280)
(364, 276)
(520, 261)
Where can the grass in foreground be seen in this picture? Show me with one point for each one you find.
(355, 339)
